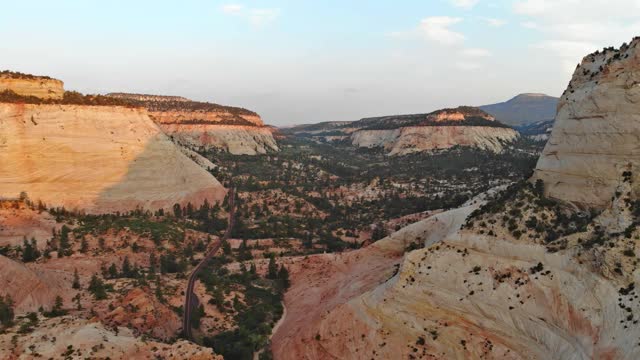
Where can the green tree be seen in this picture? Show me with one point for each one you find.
(97, 288)
(273, 268)
(76, 280)
(84, 245)
(6, 311)
(283, 276)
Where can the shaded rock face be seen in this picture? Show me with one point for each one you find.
(595, 137)
(205, 125)
(235, 139)
(97, 159)
(40, 87)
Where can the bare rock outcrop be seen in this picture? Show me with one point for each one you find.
(96, 158)
(594, 139)
(205, 125)
(463, 126)
(413, 139)
(42, 87)
(70, 337)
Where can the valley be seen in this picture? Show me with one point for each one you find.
(140, 226)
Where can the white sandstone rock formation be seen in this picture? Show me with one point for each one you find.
(595, 136)
(97, 159)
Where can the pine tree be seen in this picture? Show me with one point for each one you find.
(273, 268)
(226, 248)
(113, 271)
(84, 245)
(76, 280)
(153, 263)
(283, 275)
(126, 268)
(96, 287)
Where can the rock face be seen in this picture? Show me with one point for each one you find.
(594, 140)
(524, 109)
(205, 125)
(79, 338)
(96, 158)
(408, 140)
(404, 134)
(29, 85)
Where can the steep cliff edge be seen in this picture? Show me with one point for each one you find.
(405, 134)
(96, 158)
(206, 125)
(42, 87)
(595, 136)
(518, 275)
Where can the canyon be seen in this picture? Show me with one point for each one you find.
(517, 273)
(423, 236)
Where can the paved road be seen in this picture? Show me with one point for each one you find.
(190, 298)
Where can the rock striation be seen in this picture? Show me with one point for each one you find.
(405, 134)
(594, 139)
(515, 275)
(413, 139)
(42, 87)
(97, 159)
(206, 125)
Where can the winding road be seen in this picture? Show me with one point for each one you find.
(190, 301)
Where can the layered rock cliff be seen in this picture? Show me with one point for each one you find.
(96, 158)
(412, 139)
(42, 87)
(514, 276)
(404, 134)
(594, 139)
(206, 125)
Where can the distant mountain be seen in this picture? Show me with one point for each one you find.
(524, 109)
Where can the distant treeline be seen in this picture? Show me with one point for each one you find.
(69, 98)
(19, 75)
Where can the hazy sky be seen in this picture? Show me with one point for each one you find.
(303, 61)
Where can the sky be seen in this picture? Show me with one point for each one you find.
(307, 61)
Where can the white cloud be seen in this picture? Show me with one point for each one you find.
(465, 4)
(261, 17)
(495, 22)
(232, 8)
(436, 29)
(256, 17)
(468, 65)
(476, 52)
(572, 29)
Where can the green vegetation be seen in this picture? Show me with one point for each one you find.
(6, 311)
(255, 315)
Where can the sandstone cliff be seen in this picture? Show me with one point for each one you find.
(515, 276)
(412, 139)
(206, 125)
(594, 139)
(404, 134)
(96, 158)
(42, 87)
